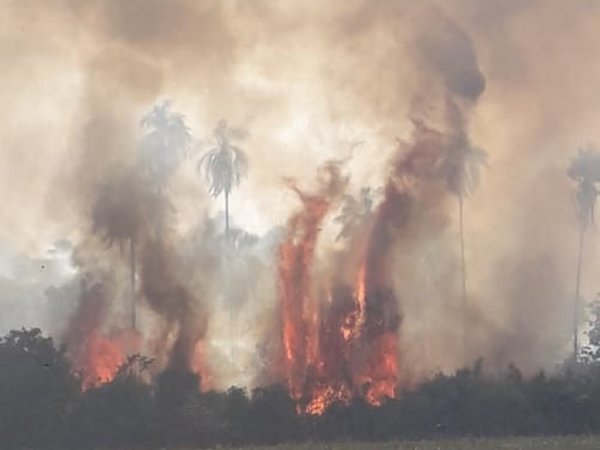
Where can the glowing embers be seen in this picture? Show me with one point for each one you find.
(323, 396)
(379, 378)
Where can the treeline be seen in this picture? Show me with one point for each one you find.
(42, 406)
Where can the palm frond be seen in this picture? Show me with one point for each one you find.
(461, 167)
(166, 142)
(585, 170)
(586, 164)
(223, 165)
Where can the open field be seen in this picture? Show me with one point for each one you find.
(541, 443)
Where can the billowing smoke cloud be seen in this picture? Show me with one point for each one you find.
(415, 84)
(449, 51)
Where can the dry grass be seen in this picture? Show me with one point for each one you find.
(541, 443)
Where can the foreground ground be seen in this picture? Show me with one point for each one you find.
(541, 443)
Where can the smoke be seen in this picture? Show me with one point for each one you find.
(95, 354)
(417, 84)
(172, 300)
(448, 50)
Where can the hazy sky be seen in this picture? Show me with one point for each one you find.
(309, 81)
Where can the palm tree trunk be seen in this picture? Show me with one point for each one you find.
(227, 214)
(463, 265)
(576, 299)
(232, 324)
(463, 268)
(231, 312)
(132, 281)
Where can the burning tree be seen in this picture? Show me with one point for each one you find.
(340, 335)
(339, 340)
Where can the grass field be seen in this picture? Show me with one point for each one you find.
(542, 443)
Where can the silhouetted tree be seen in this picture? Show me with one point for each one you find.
(224, 165)
(273, 417)
(118, 215)
(134, 197)
(37, 389)
(117, 413)
(585, 171)
(460, 168)
(236, 413)
(176, 393)
(174, 387)
(165, 143)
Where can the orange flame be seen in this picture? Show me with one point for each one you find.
(200, 367)
(101, 362)
(346, 346)
(329, 360)
(299, 316)
(355, 319)
(381, 379)
(326, 395)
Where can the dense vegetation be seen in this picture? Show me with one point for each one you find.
(42, 406)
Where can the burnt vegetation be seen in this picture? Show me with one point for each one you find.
(42, 405)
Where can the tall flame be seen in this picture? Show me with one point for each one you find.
(299, 314)
(340, 347)
(355, 319)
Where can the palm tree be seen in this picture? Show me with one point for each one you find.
(165, 143)
(460, 169)
(162, 149)
(585, 171)
(224, 165)
(136, 196)
(118, 213)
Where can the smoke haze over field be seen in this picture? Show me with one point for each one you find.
(387, 88)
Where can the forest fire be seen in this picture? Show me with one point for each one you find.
(339, 302)
(340, 321)
(347, 347)
(338, 349)
(443, 212)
